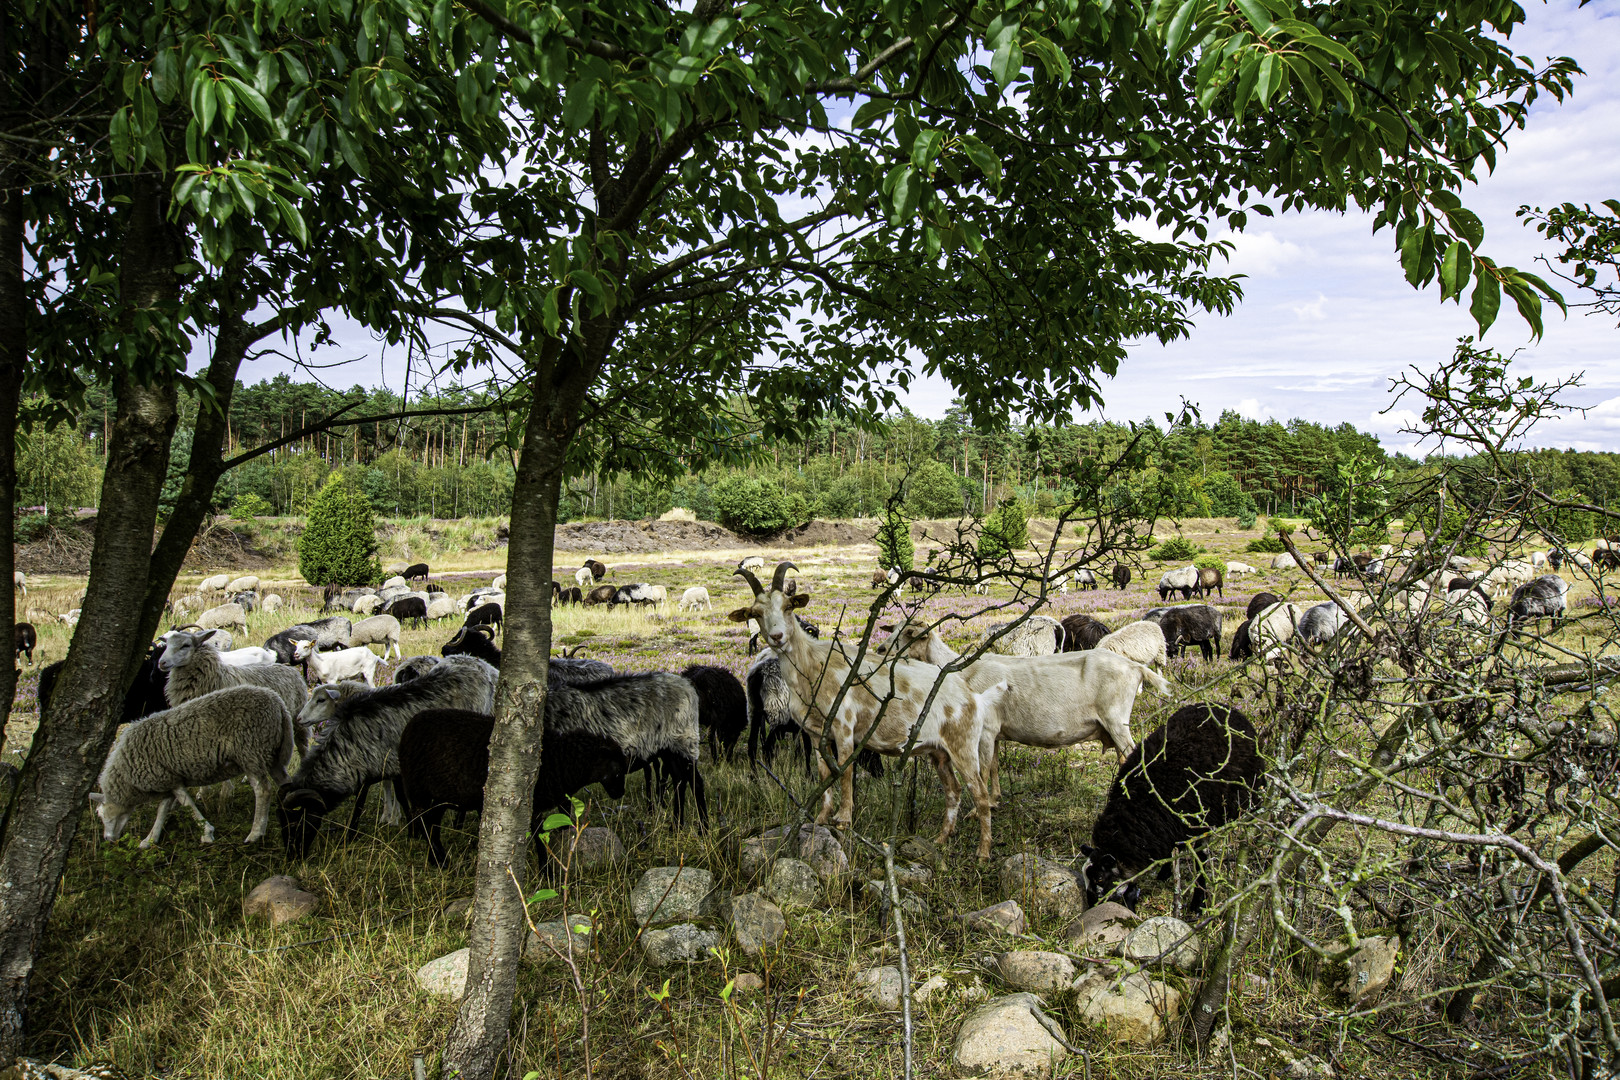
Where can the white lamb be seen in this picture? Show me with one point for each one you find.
(207, 740)
(245, 583)
(1233, 569)
(378, 630)
(216, 583)
(582, 577)
(440, 606)
(339, 666)
(1139, 641)
(368, 604)
(395, 582)
(695, 598)
(272, 602)
(499, 583)
(1273, 626)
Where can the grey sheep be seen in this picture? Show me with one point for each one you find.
(378, 630)
(1321, 623)
(195, 669)
(217, 618)
(209, 739)
(1545, 597)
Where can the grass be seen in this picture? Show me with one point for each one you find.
(149, 965)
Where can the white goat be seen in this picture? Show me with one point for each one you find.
(584, 578)
(339, 666)
(1134, 642)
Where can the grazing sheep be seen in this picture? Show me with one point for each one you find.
(272, 602)
(1284, 562)
(1509, 575)
(407, 608)
(1122, 576)
(71, 618)
(1082, 632)
(25, 639)
(1134, 641)
(209, 739)
(248, 600)
(598, 570)
(1191, 624)
(245, 583)
(413, 668)
(1184, 581)
(378, 630)
(1545, 597)
(416, 572)
(390, 593)
(1211, 581)
(1343, 566)
(1271, 627)
(1469, 606)
(1259, 603)
(641, 594)
(342, 665)
(1194, 774)
(695, 598)
(602, 594)
(217, 618)
(396, 582)
(329, 632)
(195, 669)
(1242, 647)
(1538, 558)
(217, 583)
(753, 562)
(1321, 623)
(360, 742)
(573, 596)
(476, 641)
(1086, 579)
(499, 584)
(442, 606)
(484, 615)
(722, 707)
(1039, 635)
(1237, 569)
(584, 578)
(1604, 559)
(1320, 558)
(882, 577)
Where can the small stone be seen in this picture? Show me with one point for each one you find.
(816, 845)
(1006, 916)
(667, 894)
(792, 884)
(757, 923)
(1102, 928)
(1137, 1011)
(280, 900)
(680, 944)
(459, 908)
(598, 848)
(746, 982)
(920, 849)
(1164, 939)
(1310, 1067)
(882, 985)
(446, 976)
(913, 874)
(910, 903)
(1045, 887)
(1037, 972)
(1010, 1035)
(1370, 968)
(551, 940)
(932, 987)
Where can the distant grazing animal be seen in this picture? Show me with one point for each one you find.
(882, 577)
(696, 598)
(1184, 581)
(1086, 579)
(25, 639)
(722, 707)
(19, 581)
(1082, 632)
(440, 606)
(216, 583)
(1260, 602)
(584, 578)
(1319, 557)
(598, 570)
(1212, 580)
(573, 596)
(640, 594)
(753, 562)
(1191, 624)
(217, 618)
(412, 609)
(416, 572)
(1196, 773)
(602, 594)
(1122, 576)
(396, 582)
(484, 615)
(1545, 597)
(1242, 647)
(499, 582)
(556, 594)
(1606, 559)
(1238, 568)
(1321, 623)
(245, 583)
(248, 600)
(272, 602)
(1343, 565)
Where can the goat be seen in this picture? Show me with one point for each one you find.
(328, 633)
(1082, 632)
(1122, 576)
(344, 664)
(1140, 642)
(25, 639)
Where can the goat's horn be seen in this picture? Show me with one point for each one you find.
(781, 575)
(748, 576)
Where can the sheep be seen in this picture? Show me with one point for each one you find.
(1469, 606)
(1321, 623)
(413, 668)
(71, 618)
(1604, 559)
(597, 569)
(1237, 569)
(272, 602)
(1142, 642)
(1538, 558)
(221, 640)
(245, 583)
(1545, 597)
(1086, 579)
(573, 596)
(640, 594)
(476, 641)
(815, 672)
(378, 630)
(1082, 632)
(342, 665)
(328, 632)
(1184, 581)
(1509, 575)
(484, 615)
(1320, 558)
(695, 598)
(1191, 624)
(144, 697)
(602, 594)
(390, 593)
(476, 597)
(584, 578)
(1196, 773)
(1343, 566)
(396, 582)
(206, 740)
(1211, 580)
(1259, 602)
(499, 584)
(1271, 627)
(217, 618)
(1242, 647)
(722, 707)
(577, 671)
(248, 600)
(407, 608)
(753, 562)
(1122, 576)
(247, 654)
(1038, 635)
(361, 740)
(217, 583)
(882, 577)
(416, 572)
(440, 607)
(1284, 562)
(25, 639)
(195, 669)
(19, 582)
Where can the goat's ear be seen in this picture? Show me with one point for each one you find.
(798, 600)
(205, 635)
(742, 614)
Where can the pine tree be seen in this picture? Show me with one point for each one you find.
(339, 545)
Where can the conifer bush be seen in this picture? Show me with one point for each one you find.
(339, 544)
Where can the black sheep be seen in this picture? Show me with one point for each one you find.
(1196, 773)
(1122, 576)
(144, 697)
(1606, 559)
(1082, 632)
(484, 615)
(574, 595)
(444, 763)
(722, 707)
(416, 572)
(1343, 566)
(411, 609)
(476, 641)
(1194, 624)
(26, 639)
(1260, 602)
(598, 571)
(602, 594)
(1242, 647)
(556, 594)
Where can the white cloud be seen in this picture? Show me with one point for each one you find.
(1313, 311)
(1251, 409)
(1261, 255)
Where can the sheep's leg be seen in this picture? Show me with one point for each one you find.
(191, 804)
(157, 824)
(261, 807)
(392, 813)
(359, 804)
(430, 821)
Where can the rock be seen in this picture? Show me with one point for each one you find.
(1037, 972)
(459, 908)
(910, 902)
(881, 985)
(667, 894)
(681, 944)
(1370, 968)
(446, 976)
(1138, 1011)
(1043, 886)
(920, 849)
(1009, 1036)
(792, 884)
(757, 923)
(746, 982)
(1006, 916)
(280, 900)
(1310, 1067)
(1164, 939)
(1102, 928)
(913, 874)
(598, 848)
(931, 988)
(550, 940)
(816, 845)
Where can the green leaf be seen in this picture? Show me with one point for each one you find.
(1258, 16)
(1466, 224)
(1454, 270)
(1546, 290)
(1528, 303)
(580, 104)
(1412, 256)
(1267, 79)
(1175, 34)
(251, 98)
(871, 113)
(926, 148)
(1248, 75)
(987, 161)
(205, 106)
(1008, 60)
(554, 822)
(1487, 300)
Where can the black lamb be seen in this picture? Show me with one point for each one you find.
(411, 609)
(1082, 632)
(1196, 773)
(26, 640)
(416, 572)
(722, 707)
(1242, 647)
(1192, 624)
(1260, 602)
(1122, 576)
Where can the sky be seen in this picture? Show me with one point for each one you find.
(1328, 318)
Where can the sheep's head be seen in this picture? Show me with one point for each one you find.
(182, 647)
(321, 708)
(1101, 879)
(114, 816)
(772, 608)
(300, 811)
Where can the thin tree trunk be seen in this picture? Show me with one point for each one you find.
(74, 735)
(13, 362)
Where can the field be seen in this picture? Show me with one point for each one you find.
(150, 966)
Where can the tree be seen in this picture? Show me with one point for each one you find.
(934, 491)
(895, 550)
(1005, 531)
(756, 506)
(339, 543)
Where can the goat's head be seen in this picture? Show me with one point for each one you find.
(772, 608)
(906, 640)
(302, 649)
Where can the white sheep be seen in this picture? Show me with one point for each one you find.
(248, 654)
(753, 562)
(696, 597)
(582, 577)
(339, 666)
(207, 740)
(19, 581)
(440, 606)
(245, 583)
(220, 640)
(1538, 558)
(1139, 641)
(1272, 626)
(1039, 635)
(499, 583)
(217, 618)
(272, 602)
(378, 630)
(396, 582)
(70, 617)
(368, 604)
(216, 583)
(1236, 568)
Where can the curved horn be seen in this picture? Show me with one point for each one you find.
(781, 574)
(748, 576)
(292, 798)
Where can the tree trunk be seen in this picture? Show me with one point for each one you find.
(74, 736)
(13, 361)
